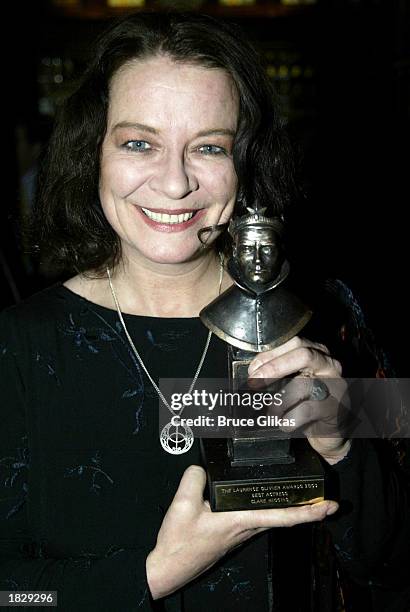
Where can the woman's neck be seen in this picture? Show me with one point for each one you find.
(157, 290)
(165, 290)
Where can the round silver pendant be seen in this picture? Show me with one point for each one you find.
(176, 439)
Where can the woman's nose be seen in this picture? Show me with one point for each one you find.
(173, 179)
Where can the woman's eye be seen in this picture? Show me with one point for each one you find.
(212, 150)
(137, 145)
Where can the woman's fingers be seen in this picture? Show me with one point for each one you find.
(318, 400)
(320, 391)
(306, 360)
(284, 517)
(297, 390)
(313, 420)
(190, 492)
(295, 343)
(262, 358)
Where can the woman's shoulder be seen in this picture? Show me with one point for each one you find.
(39, 309)
(29, 323)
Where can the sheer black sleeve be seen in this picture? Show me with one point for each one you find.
(115, 582)
(371, 531)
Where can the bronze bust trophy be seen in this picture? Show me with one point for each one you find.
(259, 468)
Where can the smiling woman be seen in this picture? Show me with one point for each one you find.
(172, 131)
(184, 107)
(157, 193)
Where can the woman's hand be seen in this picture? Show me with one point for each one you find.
(320, 419)
(192, 537)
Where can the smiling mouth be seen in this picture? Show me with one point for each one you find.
(161, 217)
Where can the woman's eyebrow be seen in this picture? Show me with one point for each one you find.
(216, 132)
(137, 126)
(146, 128)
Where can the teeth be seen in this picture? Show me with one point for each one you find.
(166, 218)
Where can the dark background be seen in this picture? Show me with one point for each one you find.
(342, 70)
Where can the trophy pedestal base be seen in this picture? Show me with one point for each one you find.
(258, 451)
(261, 486)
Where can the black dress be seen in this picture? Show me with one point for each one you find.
(85, 484)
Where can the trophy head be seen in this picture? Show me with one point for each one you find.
(257, 254)
(256, 313)
(257, 249)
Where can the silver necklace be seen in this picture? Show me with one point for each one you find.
(175, 437)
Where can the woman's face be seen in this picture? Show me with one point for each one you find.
(166, 162)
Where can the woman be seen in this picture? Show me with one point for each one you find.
(172, 124)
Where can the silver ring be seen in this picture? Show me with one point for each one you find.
(319, 391)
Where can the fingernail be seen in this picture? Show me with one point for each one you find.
(332, 507)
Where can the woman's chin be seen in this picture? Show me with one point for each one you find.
(166, 256)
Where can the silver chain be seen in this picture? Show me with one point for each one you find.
(138, 356)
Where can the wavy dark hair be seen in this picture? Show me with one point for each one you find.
(71, 227)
